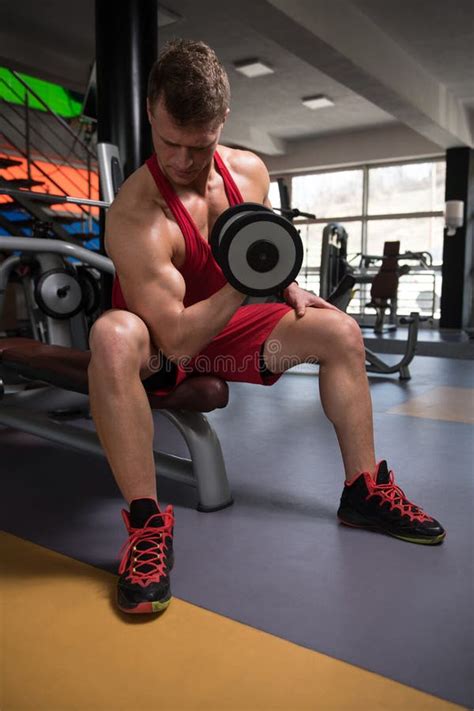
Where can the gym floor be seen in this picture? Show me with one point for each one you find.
(276, 605)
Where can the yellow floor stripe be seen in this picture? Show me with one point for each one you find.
(66, 648)
(442, 403)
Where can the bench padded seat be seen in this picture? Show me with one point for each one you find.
(66, 368)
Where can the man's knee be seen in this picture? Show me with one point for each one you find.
(321, 335)
(330, 334)
(120, 335)
(345, 335)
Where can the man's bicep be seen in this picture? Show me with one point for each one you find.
(156, 294)
(151, 285)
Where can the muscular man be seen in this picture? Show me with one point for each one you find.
(171, 302)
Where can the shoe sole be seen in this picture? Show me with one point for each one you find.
(145, 608)
(431, 541)
(148, 607)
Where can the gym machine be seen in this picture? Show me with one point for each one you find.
(337, 280)
(62, 298)
(42, 384)
(384, 290)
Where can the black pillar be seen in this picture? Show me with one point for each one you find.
(126, 47)
(456, 294)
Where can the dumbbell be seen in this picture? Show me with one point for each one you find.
(259, 252)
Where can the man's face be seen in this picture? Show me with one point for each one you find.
(183, 151)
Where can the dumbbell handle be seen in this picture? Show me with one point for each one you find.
(290, 213)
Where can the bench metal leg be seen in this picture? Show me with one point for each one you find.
(27, 411)
(206, 457)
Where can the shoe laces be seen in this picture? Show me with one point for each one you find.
(396, 497)
(145, 550)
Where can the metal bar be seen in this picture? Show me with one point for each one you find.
(364, 233)
(66, 249)
(52, 199)
(417, 256)
(378, 366)
(361, 218)
(38, 423)
(50, 111)
(89, 178)
(294, 173)
(89, 191)
(365, 208)
(314, 271)
(406, 215)
(27, 135)
(206, 456)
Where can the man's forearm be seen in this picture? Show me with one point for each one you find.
(197, 325)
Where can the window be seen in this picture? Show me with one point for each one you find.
(274, 194)
(415, 234)
(377, 204)
(336, 194)
(413, 187)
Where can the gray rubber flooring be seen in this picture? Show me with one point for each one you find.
(278, 560)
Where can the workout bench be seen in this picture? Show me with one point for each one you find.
(56, 381)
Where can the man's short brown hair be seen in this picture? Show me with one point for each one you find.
(192, 82)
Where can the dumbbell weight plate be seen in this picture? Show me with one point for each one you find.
(260, 253)
(90, 290)
(58, 294)
(228, 217)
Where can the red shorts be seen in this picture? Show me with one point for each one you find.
(235, 354)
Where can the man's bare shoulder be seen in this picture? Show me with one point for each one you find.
(136, 211)
(246, 163)
(138, 191)
(249, 171)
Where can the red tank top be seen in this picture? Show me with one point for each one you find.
(200, 271)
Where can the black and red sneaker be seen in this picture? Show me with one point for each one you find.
(382, 506)
(147, 559)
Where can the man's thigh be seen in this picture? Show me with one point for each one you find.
(235, 353)
(309, 338)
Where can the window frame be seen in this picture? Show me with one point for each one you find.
(364, 217)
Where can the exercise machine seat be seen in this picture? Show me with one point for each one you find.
(66, 368)
(385, 284)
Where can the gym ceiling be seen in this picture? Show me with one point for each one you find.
(396, 69)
